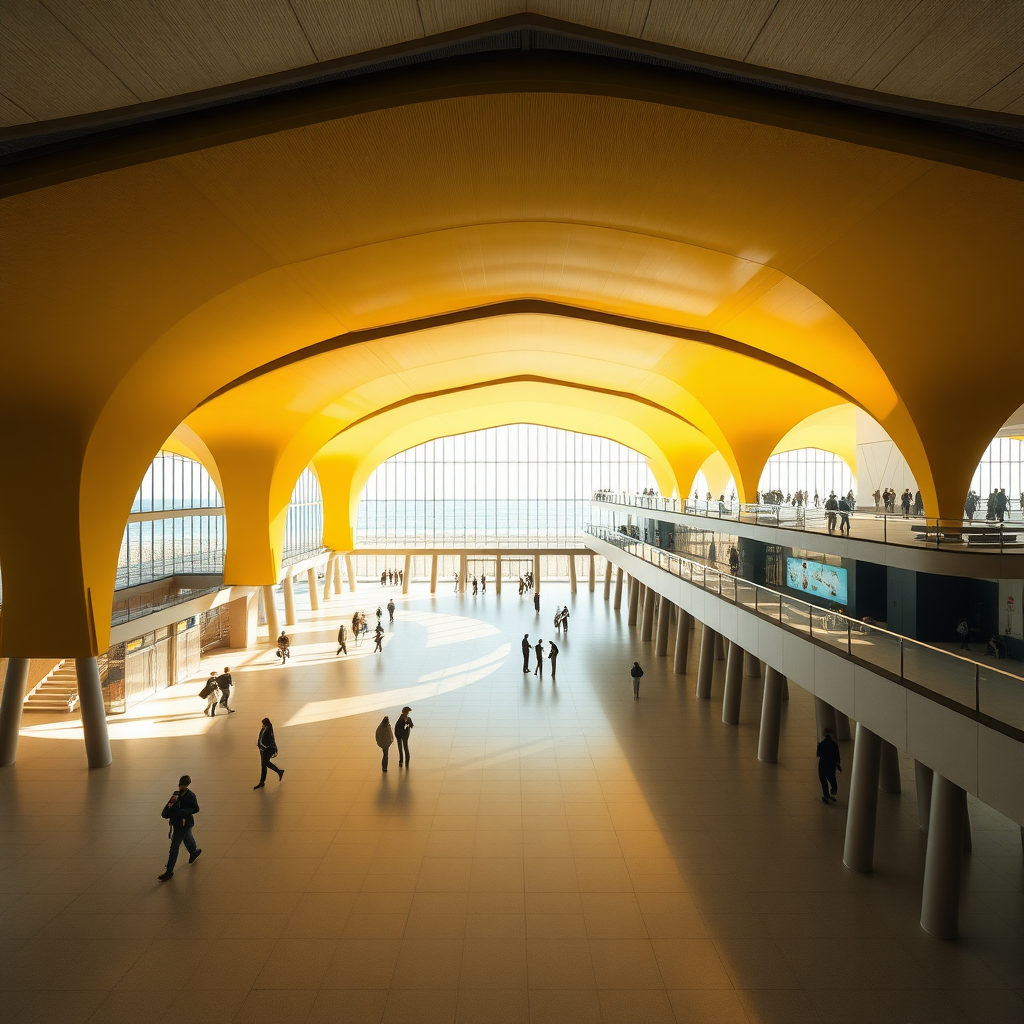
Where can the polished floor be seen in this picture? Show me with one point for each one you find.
(556, 852)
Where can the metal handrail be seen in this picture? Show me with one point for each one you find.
(844, 634)
(938, 532)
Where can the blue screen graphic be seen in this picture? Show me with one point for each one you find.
(816, 579)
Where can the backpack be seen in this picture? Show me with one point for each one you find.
(211, 685)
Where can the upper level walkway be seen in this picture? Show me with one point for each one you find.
(962, 548)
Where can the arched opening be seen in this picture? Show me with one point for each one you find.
(997, 487)
(805, 476)
(304, 526)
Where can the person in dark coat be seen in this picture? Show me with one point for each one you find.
(828, 764)
(538, 649)
(536, 602)
(384, 738)
(553, 655)
(341, 640)
(403, 727)
(227, 687)
(378, 638)
(391, 612)
(526, 652)
(180, 812)
(268, 749)
(636, 672)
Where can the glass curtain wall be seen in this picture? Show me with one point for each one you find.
(304, 528)
(1001, 469)
(520, 485)
(810, 470)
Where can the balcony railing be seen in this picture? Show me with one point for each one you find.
(961, 683)
(977, 535)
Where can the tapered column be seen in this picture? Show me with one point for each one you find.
(733, 685)
(824, 717)
(751, 666)
(682, 642)
(771, 716)
(592, 577)
(647, 623)
(719, 647)
(617, 601)
(433, 574)
(634, 600)
(329, 577)
(94, 716)
(940, 899)
(406, 573)
(785, 690)
(889, 772)
(337, 574)
(536, 574)
(350, 569)
(842, 726)
(923, 776)
(270, 611)
(664, 623)
(289, 601)
(608, 569)
(314, 596)
(497, 574)
(572, 574)
(463, 572)
(12, 703)
(859, 851)
(706, 666)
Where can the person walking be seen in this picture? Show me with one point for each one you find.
(831, 508)
(384, 737)
(476, 586)
(565, 619)
(636, 672)
(379, 614)
(526, 652)
(211, 693)
(828, 765)
(483, 584)
(553, 656)
(226, 685)
(268, 748)
(378, 639)
(538, 650)
(180, 813)
(342, 636)
(456, 590)
(391, 612)
(845, 508)
(558, 618)
(403, 727)
(965, 635)
(284, 648)
(906, 501)
(536, 603)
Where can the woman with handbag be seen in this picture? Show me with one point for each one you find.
(268, 749)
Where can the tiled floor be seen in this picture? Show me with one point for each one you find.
(555, 853)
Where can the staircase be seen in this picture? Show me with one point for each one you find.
(57, 692)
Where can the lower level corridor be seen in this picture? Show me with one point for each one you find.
(557, 851)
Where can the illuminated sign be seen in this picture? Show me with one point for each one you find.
(817, 579)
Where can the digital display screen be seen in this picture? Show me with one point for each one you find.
(817, 579)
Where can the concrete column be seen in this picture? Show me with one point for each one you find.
(536, 574)
(859, 851)
(314, 597)
(497, 574)
(592, 581)
(244, 620)
(337, 573)
(350, 568)
(842, 726)
(751, 666)
(270, 611)
(664, 621)
(889, 772)
(12, 703)
(771, 716)
(647, 622)
(968, 838)
(572, 574)
(94, 717)
(719, 647)
(824, 717)
(785, 690)
(608, 579)
(923, 778)
(940, 899)
(406, 573)
(463, 572)
(433, 574)
(617, 601)
(733, 685)
(634, 601)
(682, 642)
(706, 666)
(329, 576)
(290, 617)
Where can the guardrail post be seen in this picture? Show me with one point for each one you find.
(849, 638)
(977, 687)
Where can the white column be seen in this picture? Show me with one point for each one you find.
(608, 578)
(824, 717)
(719, 647)
(923, 778)
(463, 572)
(617, 603)
(433, 574)
(351, 568)
(592, 581)
(536, 574)
(771, 716)
(733, 694)
(497, 573)
(889, 773)
(842, 726)
(406, 573)
(940, 899)
(12, 704)
(329, 576)
(751, 666)
(634, 600)
(664, 620)
(314, 597)
(338, 588)
(682, 642)
(270, 611)
(706, 666)
(572, 574)
(647, 622)
(859, 850)
(94, 716)
(290, 617)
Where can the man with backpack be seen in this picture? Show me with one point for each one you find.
(179, 812)
(211, 694)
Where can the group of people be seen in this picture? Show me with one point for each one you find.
(798, 499)
(562, 619)
(525, 583)
(841, 507)
(385, 736)
(217, 692)
(910, 503)
(538, 650)
(392, 577)
(997, 504)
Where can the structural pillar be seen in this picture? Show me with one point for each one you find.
(536, 574)
(968, 838)
(824, 717)
(12, 703)
(572, 574)
(406, 573)
(771, 716)
(751, 666)
(270, 611)
(842, 726)
(463, 572)
(433, 574)
(329, 577)
(923, 778)
(592, 581)
(859, 851)
(940, 899)
(889, 772)
(314, 596)
(719, 647)
(664, 622)
(289, 601)
(608, 568)
(733, 694)
(351, 569)
(706, 666)
(497, 574)
(682, 642)
(337, 574)
(617, 602)
(634, 600)
(94, 715)
(647, 623)
(785, 690)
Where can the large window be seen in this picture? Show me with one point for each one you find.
(1001, 469)
(304, 529)
(173, 482)
(811, 470)
(520, 485)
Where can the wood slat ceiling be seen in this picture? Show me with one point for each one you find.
(59, 58)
